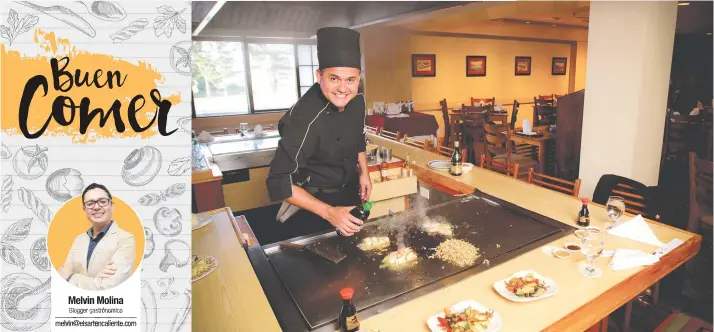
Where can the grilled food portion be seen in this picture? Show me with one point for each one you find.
(399, 259)
(527, 286)
(435, 227)
(457, 252)
(374, 243)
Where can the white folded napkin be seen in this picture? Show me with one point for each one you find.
(205, 137)
(400, 115)
(629, 258)
(498, 108)
(527, 127)
(636, 229)
(695, 111)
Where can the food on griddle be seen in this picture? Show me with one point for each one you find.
(467, 320)
(527, 286)
(434, 227)
(457, 252)
(374, 243)
(399, 259)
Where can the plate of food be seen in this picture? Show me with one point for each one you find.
(525, 286)
(374, 243)
(399, 259)
(202, 266)
(465, 316)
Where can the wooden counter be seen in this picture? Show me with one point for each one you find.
(230, 298)
(580, 303)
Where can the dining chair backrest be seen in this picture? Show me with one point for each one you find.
(485, 101)
(390, 135)
(514, 113)
(416, 143)
(638, 199)
(544, 115)
(447, 151)
(447, 122)
(495, 141)
(700, 192)
(571, 188)
(510, 169)
(371, 130)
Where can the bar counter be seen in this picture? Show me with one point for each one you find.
(231, 298)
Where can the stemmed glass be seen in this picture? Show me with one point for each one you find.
(593, 243)
(615, 208)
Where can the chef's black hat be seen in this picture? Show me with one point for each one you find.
(338, 47)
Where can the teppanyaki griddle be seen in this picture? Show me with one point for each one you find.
(496, 227)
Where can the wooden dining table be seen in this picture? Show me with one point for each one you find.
(540, 141)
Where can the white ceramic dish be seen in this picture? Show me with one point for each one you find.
(445, 165)
(495, 325)
(500, 287)
(200, 220)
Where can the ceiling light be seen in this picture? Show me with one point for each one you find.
(709, 33)
(554, 25)
(528, 22)
(683, 4)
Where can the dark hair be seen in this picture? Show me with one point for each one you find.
(95, 186)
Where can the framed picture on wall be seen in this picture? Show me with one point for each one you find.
(559, 66)
(475, 65)
(523, 66)
(423, 65)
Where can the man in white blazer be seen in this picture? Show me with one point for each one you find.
(104, 256)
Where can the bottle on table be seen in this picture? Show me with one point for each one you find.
(384, 166)
(359, 212)
(407, 169)
(584, 214)
(349, 322)
(456, 161)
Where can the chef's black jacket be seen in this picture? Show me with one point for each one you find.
(317, 142)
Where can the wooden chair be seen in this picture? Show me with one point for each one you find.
(416, 143)
(700, 194)
(543, 100)
(514, 113)
(571, 188)
(486, 101)
(638, 197)
(680, 136)
(390, 135)
(371, 130)
(498, 166)
(447, 151)
(544, 115)
(447, 122)
(473, 134)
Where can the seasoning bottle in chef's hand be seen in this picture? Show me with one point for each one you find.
(359, 212)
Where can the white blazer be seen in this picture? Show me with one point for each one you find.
(116, 243)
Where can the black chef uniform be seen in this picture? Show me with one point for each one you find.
(319, 145)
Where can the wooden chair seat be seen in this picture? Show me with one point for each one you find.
(499, 166)
(550, 182)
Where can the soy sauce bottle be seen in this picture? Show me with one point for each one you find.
(349, 322)
(584, 214)
(360, 212)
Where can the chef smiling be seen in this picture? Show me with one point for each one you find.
(320, 167)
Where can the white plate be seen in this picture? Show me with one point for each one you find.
(445, 165)
(495, 325)
(500, 287)
(201, 220)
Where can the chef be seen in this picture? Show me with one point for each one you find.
(320, 167)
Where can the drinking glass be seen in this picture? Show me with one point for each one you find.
(615, 208)
(593, 244)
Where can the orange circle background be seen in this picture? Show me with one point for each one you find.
(70, 221)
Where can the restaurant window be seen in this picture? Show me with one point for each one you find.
(219, 79)
(272, 76)
(307, 64)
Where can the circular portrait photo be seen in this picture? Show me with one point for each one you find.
(95, 241)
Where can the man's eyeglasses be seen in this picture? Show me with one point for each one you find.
(102, 203)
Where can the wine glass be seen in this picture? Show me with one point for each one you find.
(615, 208)
(593, 244)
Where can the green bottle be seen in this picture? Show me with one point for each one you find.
(360, 212)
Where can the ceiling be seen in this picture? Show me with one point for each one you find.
(695, 18)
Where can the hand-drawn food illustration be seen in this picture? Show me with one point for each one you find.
(169, 20)
(180, 57)
(12, 255)
(6, 192)
(129, 31)
(38, 254)
(176, 253)
(148, 306)
(30, 162)
(149, 249)
(180, 318)
(64, 184)
(105, 10)
(17, 27)
(35, 205)
(175, 190)
(184, 124)
(166, 283)
(180, 166)
(141, 166)
(17, 232)
(65, 15)
(167, 221)
(5, 151)
(26, 302)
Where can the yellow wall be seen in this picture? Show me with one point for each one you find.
(580, 65)
(387, 75)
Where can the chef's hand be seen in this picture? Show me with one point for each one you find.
(340, 217)
(108, 271)
(365, 187)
